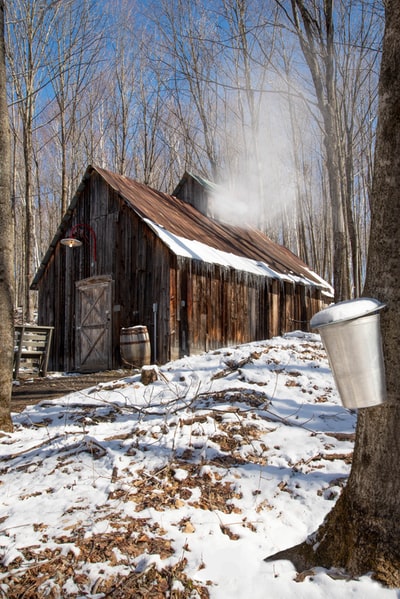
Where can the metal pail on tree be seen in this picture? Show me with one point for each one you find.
(350, 332)
(135, 346)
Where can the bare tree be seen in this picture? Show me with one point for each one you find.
(188, 87)
(362, 532)
(29, 28)
(6, 248)
(121, 118)
(116, 93)
(76, 47)
(315, 30)
(248, 39)
(340, 47)
(358, 38)
(190, 68)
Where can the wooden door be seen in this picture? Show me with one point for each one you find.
(93, 324)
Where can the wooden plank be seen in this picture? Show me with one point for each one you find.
(32, 343)
(93, 323)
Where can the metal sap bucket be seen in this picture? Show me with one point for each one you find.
(350, 332)
(135, 346)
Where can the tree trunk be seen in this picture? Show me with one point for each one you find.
(317, 44)
(30, 238)
(362, 532)
(6, 248)
(340, 263)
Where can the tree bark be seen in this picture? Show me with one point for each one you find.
(316, 38)
(362, 532)
(6, 248)
(30, 237)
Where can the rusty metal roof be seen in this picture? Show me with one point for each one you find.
(182, 219)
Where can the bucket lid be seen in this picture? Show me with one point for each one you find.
(347, 310)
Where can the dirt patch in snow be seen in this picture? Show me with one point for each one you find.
(31, 389)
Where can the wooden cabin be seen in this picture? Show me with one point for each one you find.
(152, 259)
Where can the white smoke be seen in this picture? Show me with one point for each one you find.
(261, 183)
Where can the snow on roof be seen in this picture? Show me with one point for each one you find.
(197, 250)
(243, 248)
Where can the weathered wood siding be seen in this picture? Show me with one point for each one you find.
(190, 191)
(188, 306)
(213, 306)
(127, 251)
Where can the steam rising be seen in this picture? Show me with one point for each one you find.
(262, 184)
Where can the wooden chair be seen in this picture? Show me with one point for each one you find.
(32, 344)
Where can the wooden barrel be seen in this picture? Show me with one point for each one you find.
(135, 346)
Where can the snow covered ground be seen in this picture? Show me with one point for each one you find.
(182, 487)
